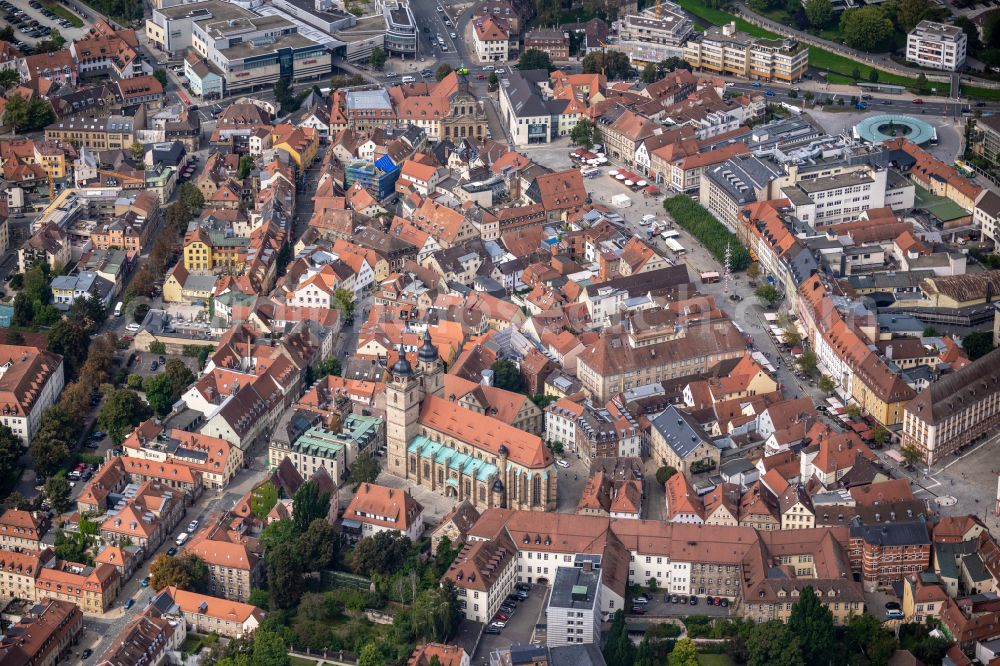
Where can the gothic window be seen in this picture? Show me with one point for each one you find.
(427, 471)
(536, 490)
(440, 476)
(413, 465)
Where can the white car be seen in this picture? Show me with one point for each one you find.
(133, 328)
(562, 463)
(454, 36)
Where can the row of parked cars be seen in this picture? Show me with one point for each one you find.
(507, 608)
(640, 603)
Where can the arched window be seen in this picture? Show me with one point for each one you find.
(536, 490)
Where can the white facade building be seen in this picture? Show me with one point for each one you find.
(937, 45)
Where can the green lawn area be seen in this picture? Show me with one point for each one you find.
(299, 661)
(719, 17)
(62, 12)
(940, 207)
(192, 644)
(714, 660)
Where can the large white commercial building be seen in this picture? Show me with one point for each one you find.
(937, 45)
(252, 49)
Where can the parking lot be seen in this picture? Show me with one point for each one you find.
(31, 13)
(520, 629)
(659, 607)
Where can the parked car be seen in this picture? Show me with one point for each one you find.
(693, 601)
(86, 653)
(128, 603)
(499, 624)
(171, 551)
(725, 603)
(526, 587)
(492, 630)
(562, 463)
(144, 582)
(638, 610)
(641, 600)
(153, 366)
(192, 526)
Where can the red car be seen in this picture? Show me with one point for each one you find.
(501, 616)
(481, 77)
(918, 101)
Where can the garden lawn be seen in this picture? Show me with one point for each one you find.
(62, 12)
(714, 660)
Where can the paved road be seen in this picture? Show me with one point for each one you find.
(931, 106)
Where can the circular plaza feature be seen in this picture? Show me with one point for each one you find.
(887, 127)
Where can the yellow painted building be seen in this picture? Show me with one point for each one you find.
(301, 143)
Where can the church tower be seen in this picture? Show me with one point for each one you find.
(430, 368)
(403, 395)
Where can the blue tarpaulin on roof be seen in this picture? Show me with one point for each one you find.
(385, 163)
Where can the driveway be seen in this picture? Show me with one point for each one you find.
(520, 628)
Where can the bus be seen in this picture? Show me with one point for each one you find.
(674, 246)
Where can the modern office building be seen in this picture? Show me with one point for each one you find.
(574, 611)
(400, 29)
(655, 34)
(252, 49)
(937, 45)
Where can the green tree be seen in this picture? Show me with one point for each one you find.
(319, 545)
(10, 453)
(880, 436)
(867, 641)
(380, 553)
(443, 70)
(911, 454)
(161, 76)
(122, 411)
(47, 454)
(753, 271)
(507, 376)
(308, 505)
(284, 575)
(866, 28)
(819, 13)
(649, 73)
(493, 80)
(263, 498)
(189, 195)
(187, 572)
(978, 344)
(664, 473)
(583, 133)
(619, 649)
(57, 492)
(773, 644)
(364, 470)
(613, 64)
(790, 335)
(166, 388)
(827, 384)
(137, 150)
(378, 59)
(70, 338)
(343, 300)
(911, 12)
(685, 653)
(856, 75)
(812, 623)
(17, 501)
(268, 649)
(968, 26)
(535, 59)
(245, 167)
(16, 112)
(768, 294)
(40, 114)
(370, 656)
(930, 332)
(923, 85)
(806, 362)
(157, 347)
(279, 531)
(873, 75)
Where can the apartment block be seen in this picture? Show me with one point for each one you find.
(573, 614)
(937, 45)
(726, 51)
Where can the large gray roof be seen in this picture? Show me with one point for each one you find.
(909, 533)
(679, 430)
(522, 91)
